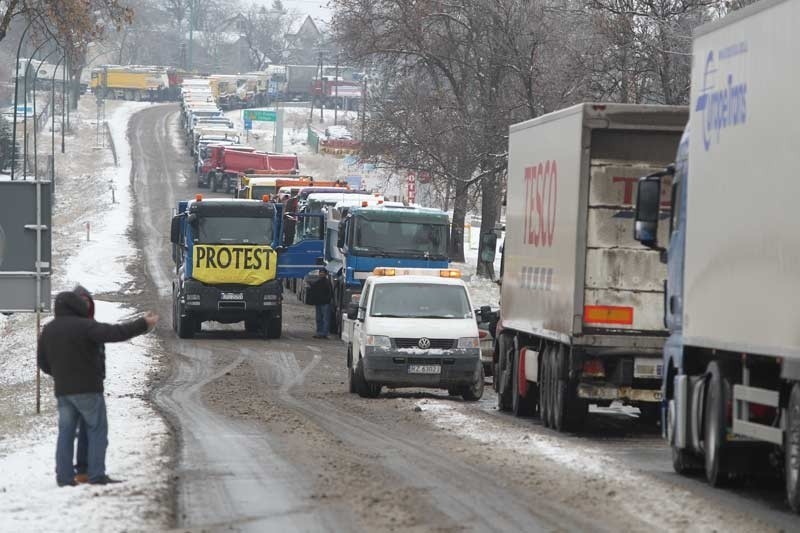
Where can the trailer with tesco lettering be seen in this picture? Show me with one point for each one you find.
(581, 301)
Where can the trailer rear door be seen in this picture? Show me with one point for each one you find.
(624, 281)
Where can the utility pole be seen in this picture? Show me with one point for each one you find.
(322, 92)
(191, 34)
(336, 94)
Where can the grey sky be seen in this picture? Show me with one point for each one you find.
(315, 8)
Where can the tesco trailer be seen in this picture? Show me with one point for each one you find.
(732, 361)
(581, 308)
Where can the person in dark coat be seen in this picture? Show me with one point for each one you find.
(82, 452)
(320, 294)
(68, 350)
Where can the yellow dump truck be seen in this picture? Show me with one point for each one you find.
(129, 82)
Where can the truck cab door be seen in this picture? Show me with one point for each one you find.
(303, 244)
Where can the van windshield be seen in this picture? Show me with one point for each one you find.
(420, 300)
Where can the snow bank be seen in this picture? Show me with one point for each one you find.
(29, 497)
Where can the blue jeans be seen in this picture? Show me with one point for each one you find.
(323, 319)
(90, 407)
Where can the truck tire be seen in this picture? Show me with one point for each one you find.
(792, 449)
(212, 182)
(351, 375)
(714, 425)
(273, 326)
(363, 387)
(683, 461)
(561, 396)
(252, 325)
(474, 391)
(185, 324)
(502, 376)
(544, 387)
(520, 405)
(650, 414)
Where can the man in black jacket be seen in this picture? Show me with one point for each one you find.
(320, 294)
(70, 351)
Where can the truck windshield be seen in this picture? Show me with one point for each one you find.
(260, 190)
(411, 239)
(420, 300)
(234, 230)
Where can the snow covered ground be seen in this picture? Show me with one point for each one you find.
(29, 497)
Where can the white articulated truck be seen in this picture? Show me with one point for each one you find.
(581, 304)
(732, 360)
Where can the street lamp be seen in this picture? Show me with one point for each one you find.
(35, 122)
(25, 111)
(16, 94)
(53, 114)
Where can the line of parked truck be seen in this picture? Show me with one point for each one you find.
(673, 292)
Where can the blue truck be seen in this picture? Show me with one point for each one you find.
(729, 234)
(360, 239)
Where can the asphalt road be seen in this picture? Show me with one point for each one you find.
(270, 440)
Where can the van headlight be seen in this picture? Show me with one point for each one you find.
(379, 341)
(469, 342)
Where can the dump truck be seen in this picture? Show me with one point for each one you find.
(226, 265)
(228, 166)
(581, 300)
(131, 82)
(732, 361)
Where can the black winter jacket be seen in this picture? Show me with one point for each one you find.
(70, 345)
(320, 291)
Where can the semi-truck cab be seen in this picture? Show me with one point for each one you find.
(360, 239)
(226, 265)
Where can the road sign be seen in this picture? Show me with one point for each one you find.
(260, 115)
(411, 183)
(248, 124)
(18, 245)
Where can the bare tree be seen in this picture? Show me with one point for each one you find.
(264, 31)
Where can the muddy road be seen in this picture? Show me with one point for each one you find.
(269, 439)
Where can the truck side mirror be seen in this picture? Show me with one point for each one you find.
(648, 204)
(488, 247)
(340, 239)
(352, 310)
(175, 230)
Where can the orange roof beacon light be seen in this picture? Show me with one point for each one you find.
(364, 203)
(450, 273)
(198, 197)
(265, 198)
(381, 271)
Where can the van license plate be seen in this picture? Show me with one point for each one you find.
(424, 369)
(236, 296)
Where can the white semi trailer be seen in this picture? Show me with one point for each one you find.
(582, 301)
(732, 361)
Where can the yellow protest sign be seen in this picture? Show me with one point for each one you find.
(241, 264)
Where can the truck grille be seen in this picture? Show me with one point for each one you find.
(435, 343)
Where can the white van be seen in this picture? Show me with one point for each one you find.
(414, 328)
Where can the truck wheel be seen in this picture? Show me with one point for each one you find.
(560, 396)
(363, 387)
(212, 182)
(273, 325)
(185, 324)
(683, 461)
(544, 387)
(520, 405)
(792, 449)
(503, 374)
(715, 426)
(351, 378)
(474, 391)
